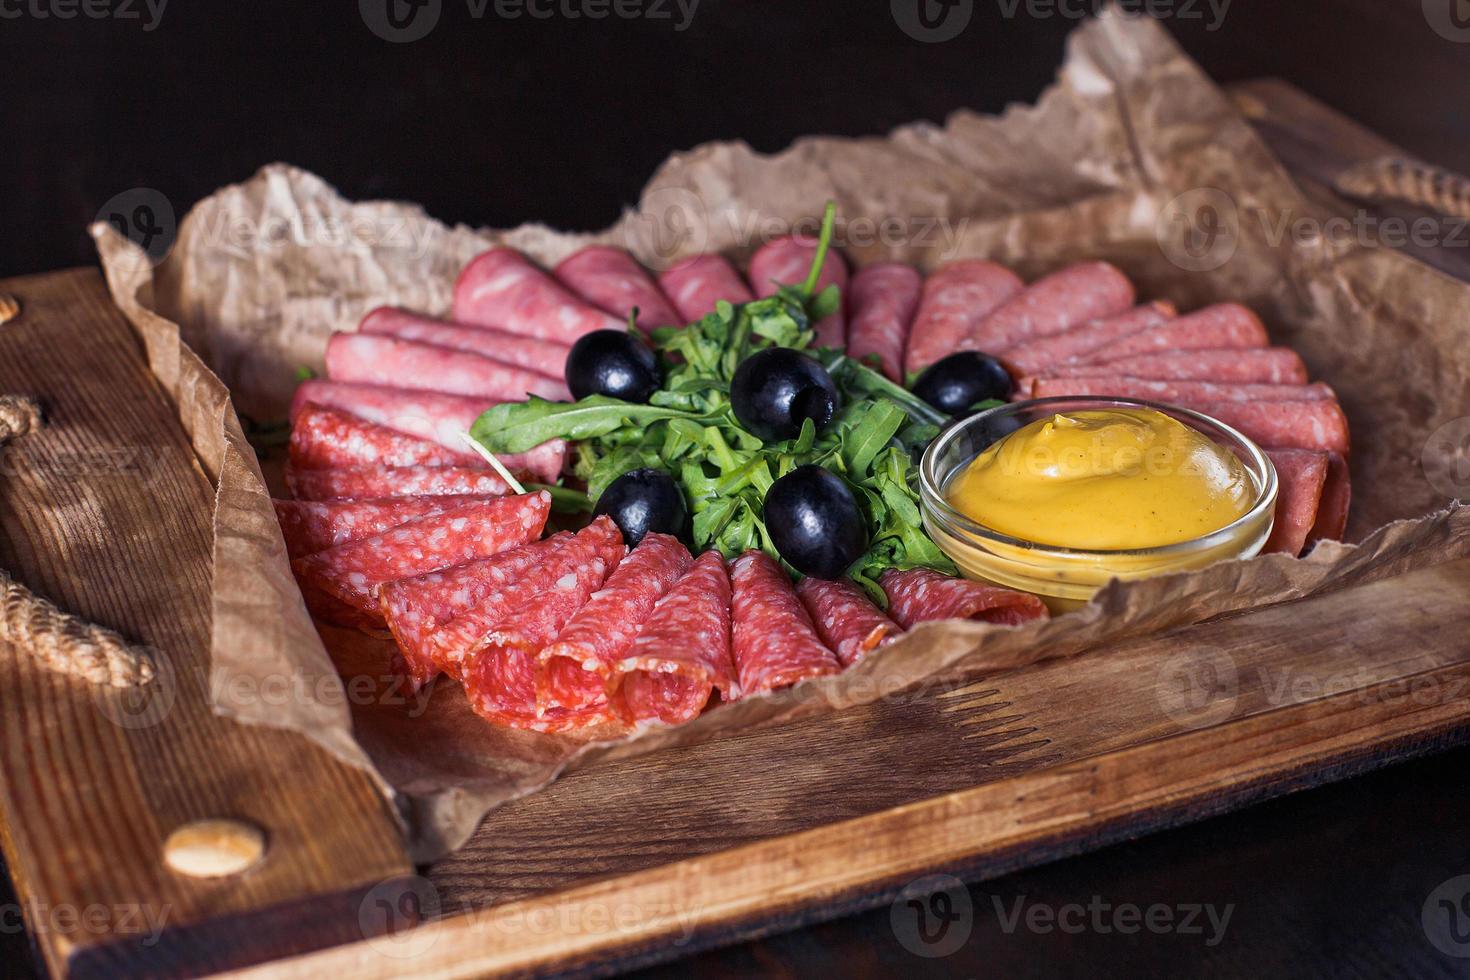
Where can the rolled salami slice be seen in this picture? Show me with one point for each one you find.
(353, 572)
(612, 280)
(543, 356)
(427, 415)
(393, 481)
(1179, 392)
(846, 619)
(378, 360)
(1224, 325)
(696, 284)
(416, 608)
(954, 300)
(1317, 424)
(324, 438)
(1079, 293)
(682, 654)
(575, 669)
(310, 526)
(1045, 354)
(921, 594)
(787, 262)
(882, 301)
(1260, 365)
(502, 289)
(774, 641)
(1337, 494)
(1300, 476)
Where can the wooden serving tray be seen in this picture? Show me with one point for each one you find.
(651, 858)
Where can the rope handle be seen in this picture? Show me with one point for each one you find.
(1409, 182)
(62, 642)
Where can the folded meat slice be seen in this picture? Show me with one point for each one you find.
(376, 359)
(546, 356)
(316, 525)
(774, 641)
(918, 595)
(502, 288)
(846, 619)
(788, 261)
(325, 438)
(1040, 355)
(1224, 325)
(696, 284)
(374, 482)
(1300, 476)
(1257, 365)
(612, 280)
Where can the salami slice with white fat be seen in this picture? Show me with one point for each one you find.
(882, 302)
(315, 525)
(682, 654)
(1317, 424)
(696, 284)
(393, 481)
(381, 360)
(354, 572)
(955, 298)
(1337, 494)
(787, 262)
(1180, 392)
(427, 415)
(501, 288)
(1079, 293)
(1044, 354)
(324, 438)
(613, 281)
(1224, 325)
(774, 642)
(919, 595)
(846, 619)
(1300, 475)
(543, 356)
(575, 670)
(1260, 365)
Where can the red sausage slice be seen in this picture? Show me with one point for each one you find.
(393, 481)
(1043, 355)
(315, 525)
(775, 643)
(1300, 475)
(501, 288)
(1337, 493)
(1180, 392)
(882, 300)
(787, 262)
(324, 438)
(1261, 365)
(379, 360)
(543, 356)
(696, 284)
(846, 619)
(1079, 293)
(1224, 325)
(921, 594)
(612, 280)
(953, 301)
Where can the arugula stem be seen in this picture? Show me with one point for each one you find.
(824, 243)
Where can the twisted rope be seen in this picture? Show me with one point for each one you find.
(63, 643)
(1409, 182)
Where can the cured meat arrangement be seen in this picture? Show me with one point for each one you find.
(400, 525)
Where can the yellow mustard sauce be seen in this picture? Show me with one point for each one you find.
(1104, 479)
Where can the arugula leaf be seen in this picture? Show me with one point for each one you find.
(516, 427)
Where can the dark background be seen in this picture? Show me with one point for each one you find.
(495, 122)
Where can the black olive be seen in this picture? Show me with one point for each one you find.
(613, 363)
(815, 523)
(645, 500)
(776, 389)
(958, 381)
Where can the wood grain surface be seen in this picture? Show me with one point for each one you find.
(106, 513)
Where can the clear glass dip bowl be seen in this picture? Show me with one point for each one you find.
(1065, 578)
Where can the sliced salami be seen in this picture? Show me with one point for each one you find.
(501, 288)
(696, 284)
(682, 654)
(427, 415)
(380, 360)
(355, 571)
(1317, 424)
(315, 525)
(1337, 494)
(1224, 325)
(324, 438)
(953, 301)
(846, 619)
(882, 301)
(1180, 392)
(919, 595)
(1045, 354)
(543, 356)
(787, 262)
(575, 669)
(1079, 293)
(1300, 476)
(775, 644)
(393, 481)
(612, 280)
(1260, 365)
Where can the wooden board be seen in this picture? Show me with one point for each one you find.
(654, 857)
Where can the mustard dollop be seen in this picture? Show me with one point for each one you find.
(1104, 479)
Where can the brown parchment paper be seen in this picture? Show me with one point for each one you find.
(1131, 137)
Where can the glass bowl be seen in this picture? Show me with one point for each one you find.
(1065, 578)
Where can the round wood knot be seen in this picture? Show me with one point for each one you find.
(214, 848)
(9, 308)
